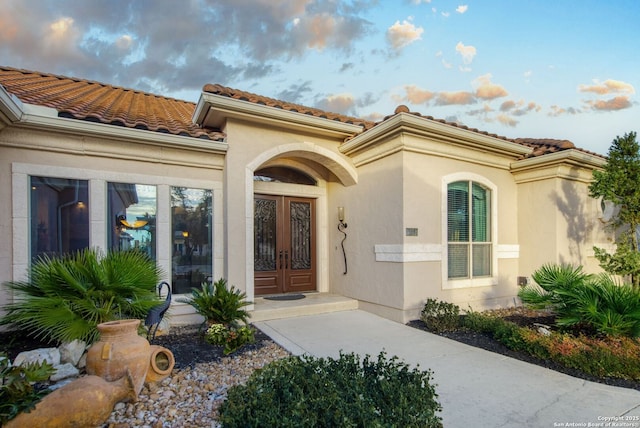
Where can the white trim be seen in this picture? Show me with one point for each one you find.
(433, 129)
(403, 253)
(39, 117)
(472, 282)
(507, 251)
(214, 110)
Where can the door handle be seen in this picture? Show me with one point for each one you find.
(280, 257)
(286, 259)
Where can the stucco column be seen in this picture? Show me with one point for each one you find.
(238, 212)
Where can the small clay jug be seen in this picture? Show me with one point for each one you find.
(120, 348)
(161, 362)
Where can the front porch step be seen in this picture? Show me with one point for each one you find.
(312, 304)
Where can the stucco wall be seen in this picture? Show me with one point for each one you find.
(559, 222)
(26, 152)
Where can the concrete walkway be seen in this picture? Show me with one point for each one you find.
(476, 388)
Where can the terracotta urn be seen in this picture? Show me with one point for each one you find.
(85, 402)
(119, 349)
(160, 364)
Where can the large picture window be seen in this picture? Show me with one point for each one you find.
(468, 230)
(191, 214)
(132, 217)
(59, 216)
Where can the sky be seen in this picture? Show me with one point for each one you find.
(563, 69)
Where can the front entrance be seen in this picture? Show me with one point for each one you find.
(284, 244)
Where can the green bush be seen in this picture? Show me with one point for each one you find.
(17, 391)
(440, 316)
(219, 304)
(344, 392)
(577, 298)
(66, 297)
(609, 356)
(230, 338)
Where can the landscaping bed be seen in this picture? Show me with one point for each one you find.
(532, 319)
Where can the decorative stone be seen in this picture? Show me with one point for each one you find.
(50, 355)
(64, 371)
(71, 352)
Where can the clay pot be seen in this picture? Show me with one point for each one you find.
(120, 348)
(160, 364)
(85, 402)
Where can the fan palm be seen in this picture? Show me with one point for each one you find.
(65, 298)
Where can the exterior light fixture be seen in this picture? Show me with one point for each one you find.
(341, 227)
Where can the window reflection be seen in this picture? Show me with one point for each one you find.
(59, 216)
(132, 217)
(192, 230)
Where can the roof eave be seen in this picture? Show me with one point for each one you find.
(213, 110)
(11, 108)
(570, 156)
(433, 129)
(38, 117)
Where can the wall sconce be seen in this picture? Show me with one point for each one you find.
(341, 227)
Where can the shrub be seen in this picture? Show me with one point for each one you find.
(344, 392)
(219, 304)
(17, 391)
(230, 338)
(440, 316)
(576, 298)
(616, 357)
(66, 297)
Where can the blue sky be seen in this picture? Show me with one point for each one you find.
(542, 69)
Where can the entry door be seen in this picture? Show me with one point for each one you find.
(284, 244)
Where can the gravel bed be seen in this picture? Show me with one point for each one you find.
(191, 396)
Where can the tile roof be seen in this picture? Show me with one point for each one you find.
(97, 102)
(94, 101)
(271, 102)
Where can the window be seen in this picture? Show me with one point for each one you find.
(191, 213)
(132, 217)
(468, 230)
(283, 175)
(59, 216)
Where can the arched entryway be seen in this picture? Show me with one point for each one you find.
(288, 214)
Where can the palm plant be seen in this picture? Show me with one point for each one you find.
(66, 297)
(219, 304)
(575, 297)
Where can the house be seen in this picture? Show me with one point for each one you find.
(283, 198)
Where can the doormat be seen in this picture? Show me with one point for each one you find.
(286, 297)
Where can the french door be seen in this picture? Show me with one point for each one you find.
(284, 244)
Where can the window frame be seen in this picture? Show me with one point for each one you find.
(470, 281)
(98, 222)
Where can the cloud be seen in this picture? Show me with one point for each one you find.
(617, 103)
(559, 111)
(458, 98)
(416, 95)
(462, 8)
(295, 93)
(609, 86)
(506, 120)
(401, 35)
(467, 52)
(175, 46)
(338, 103)
(487, 90)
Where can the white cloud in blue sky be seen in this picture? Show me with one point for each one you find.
(547, 69)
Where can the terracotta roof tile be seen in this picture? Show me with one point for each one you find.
(259, 99)
(97, 102)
